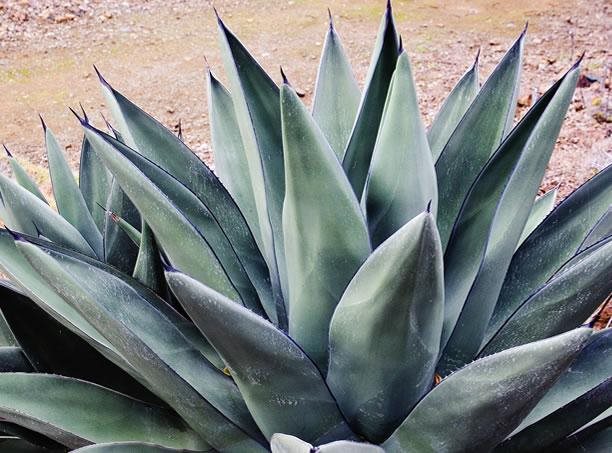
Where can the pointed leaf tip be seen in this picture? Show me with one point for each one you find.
(8, 153)
(477, 58)
(429, 207)
(83, 120)
(579, 61)
(400, 48)
(284, 76)
(84, 112)
(166, 264)
(15, 235)
(524, 32)
(331, 19)
(42, 121)
(101, 77)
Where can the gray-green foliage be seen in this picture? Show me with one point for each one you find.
(345, 281)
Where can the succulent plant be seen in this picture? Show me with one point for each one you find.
(347, 281)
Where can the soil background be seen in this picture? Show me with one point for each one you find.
(154, 51)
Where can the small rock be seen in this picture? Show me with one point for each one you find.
(170, 110)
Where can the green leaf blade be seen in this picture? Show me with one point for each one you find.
(385, 332)
(322, 257)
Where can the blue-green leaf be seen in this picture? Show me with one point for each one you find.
(540, 209)
(22, 177)
(385, 332)
(284, 443)
(476, 137)
(477, 258)
(552, 243)
(282, 388)
(12, 359)
(326, 238)
(402, 178)
(68, 197)
(360, 146)
(94, 182)
(453, 109)
(489, 398)
(336, 97)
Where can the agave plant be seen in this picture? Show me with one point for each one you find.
(346, 280)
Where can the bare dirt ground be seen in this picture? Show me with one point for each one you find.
(153, 51)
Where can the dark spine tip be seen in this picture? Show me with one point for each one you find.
(8, 153)
(284, 76)
(400, 48)
(101, 207)
(579, 61)
(429, 207)
(389, 9)
(42, 121)
(16, 236)
(219, 20)
(108, 125)
(524, 32)
(206, 65)
(101, 78)
(477, 59)
(84, 112)
(331, 19)
(82, 120)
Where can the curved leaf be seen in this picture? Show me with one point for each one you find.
(52, 348)
(490, 398)
(284, 443)
(160, 146)
(562, 422)
(552, 243)
(26, 213)
(358, 154)
(477, 135)
(326, 239)
(230, 157)
(149, 269)
(402, 178)
(141, 332)
(283, 389)
(68, 197)
(565, 302)
(540, 209)
(60, 408)
(257, 108)
(336, 96)
(385, 333)
(601, 230)
(452, 110)
(119, 250)
(477, 258)
(22, 177)
(593, 441)
(584, 374)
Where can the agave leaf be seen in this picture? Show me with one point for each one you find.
(51, 348)
(326, 238)
(601, 230)
(230, 158)
(490, 398)
(94, 183)
(584, 374)
(563, 303)
(119, 250)
(476, 137)
(184, 245)
(540, 209)
(452, 110)
(564, 421)
(149, 269)
(552, 243)
(26, 213)
(336, 96)
(283, 389)
(54, 406)
(360, 146)
(13, 359)
(32, 441)
(385, 332)
(131, 447)
(174, 369)
(476, 258)
(22, 177)
(69, 199)
(402, 178)
(256, 104)
(6, 335)
(284, 443)
(161, 147)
